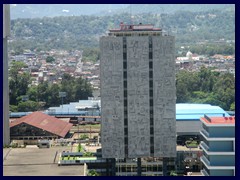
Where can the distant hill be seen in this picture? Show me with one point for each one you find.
(78, 32)
(50, 10)
(53, 10)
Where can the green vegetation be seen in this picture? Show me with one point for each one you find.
(191, 144)
(88, 154)
(44, 95)
(73, 32)
(80, 148)
(50, 59)
(84, 136)
(192, 87)
(93, 173)
(173, 173)
(91, 54)
(206, 87)
(211, 49)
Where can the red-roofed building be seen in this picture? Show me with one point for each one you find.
(38, 125)
(218, 146)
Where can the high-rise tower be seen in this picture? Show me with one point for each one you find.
(138, 93)
(6, 34)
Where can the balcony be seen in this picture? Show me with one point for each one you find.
(204, 172)
(205, 161)
(204, 133)
(205, 148)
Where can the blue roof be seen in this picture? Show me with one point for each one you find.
(195, 111)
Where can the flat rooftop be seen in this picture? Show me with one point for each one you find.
(135, 27)
(218, 120)
(37, 162)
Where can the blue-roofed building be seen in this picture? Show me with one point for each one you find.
(90, 107)
(188, 115)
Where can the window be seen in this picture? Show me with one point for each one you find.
(125, 74)
(125, 93)
(150, 65)
(125, 123)
(124, 65)
(124, 84)
(124, 54)
(151, 93)
(150, 74)
(151, 132)
(151, 84)
(151, 102)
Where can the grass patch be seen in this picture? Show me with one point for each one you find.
(191, 144)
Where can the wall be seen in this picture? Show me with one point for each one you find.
(221, 146)
(221, 131)
(222, 160)
(112, 131)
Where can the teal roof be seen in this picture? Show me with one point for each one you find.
(195, 111)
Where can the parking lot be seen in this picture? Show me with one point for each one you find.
(32, 161)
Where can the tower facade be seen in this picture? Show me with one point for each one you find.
(138, 93)
(6, 34)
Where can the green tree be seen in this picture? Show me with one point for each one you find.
(42, 92)
(225, 90)
(232, 107)
(50, 59)
(53, 95)
(28, 106)
(18, 82)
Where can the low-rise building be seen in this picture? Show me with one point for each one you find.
(218, 146)
(38, 125)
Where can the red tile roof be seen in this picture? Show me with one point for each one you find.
(45, 122)
(219, 120)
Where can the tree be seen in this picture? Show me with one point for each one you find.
(232, 107)
(50, 59)
(225, 90)
(53, 95)
(18, 82)
(28, 106)
(206, 87)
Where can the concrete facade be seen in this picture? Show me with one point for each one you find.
(138, 96)
(6, 34)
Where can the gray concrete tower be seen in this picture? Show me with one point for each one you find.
(138, 93)
(6, 33)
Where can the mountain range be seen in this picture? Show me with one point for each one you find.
(53, 10)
